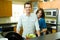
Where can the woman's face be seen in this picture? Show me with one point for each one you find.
(39, 14)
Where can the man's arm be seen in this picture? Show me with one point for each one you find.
(37, 27)
(19, 25)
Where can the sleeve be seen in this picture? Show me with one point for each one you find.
(44, 23)
(19, 25)
(36, 23)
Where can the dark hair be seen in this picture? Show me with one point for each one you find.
(28, 3)
(43, 15)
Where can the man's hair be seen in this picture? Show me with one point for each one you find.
(29, 3)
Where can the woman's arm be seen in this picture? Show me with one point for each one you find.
(44, 26)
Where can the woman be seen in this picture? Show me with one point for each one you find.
(41, 19)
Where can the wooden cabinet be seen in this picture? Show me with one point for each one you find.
(5, 8)
(53, 30)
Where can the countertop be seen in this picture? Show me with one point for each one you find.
(1, 36)
(8, 23)
(3, 39)
(53, 36)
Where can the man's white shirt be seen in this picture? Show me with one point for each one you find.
(29, 24)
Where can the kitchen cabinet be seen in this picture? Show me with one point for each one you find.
(5, 8)
(7, 27)
(53, 30)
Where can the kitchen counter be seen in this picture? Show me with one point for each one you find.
(8, 23)
(53, 36)
(7, 27)
(1, 36)
(3, 39)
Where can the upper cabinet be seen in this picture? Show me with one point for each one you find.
(5, 8)
(49, 4)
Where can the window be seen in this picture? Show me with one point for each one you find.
(17, 10)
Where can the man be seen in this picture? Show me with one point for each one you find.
(28, 21)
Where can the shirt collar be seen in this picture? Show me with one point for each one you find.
(26, 15)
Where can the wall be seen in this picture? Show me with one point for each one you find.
(4, 20)
(17, 10)
(51, 4)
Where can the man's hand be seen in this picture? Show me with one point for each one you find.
(38, 33)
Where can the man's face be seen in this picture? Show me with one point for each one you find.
(28, 8)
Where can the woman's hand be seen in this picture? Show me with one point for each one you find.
(44, 30)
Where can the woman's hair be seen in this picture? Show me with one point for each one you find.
(41, 9)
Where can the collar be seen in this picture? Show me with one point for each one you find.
(26, 15)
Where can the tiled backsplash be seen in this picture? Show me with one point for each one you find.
(5, 19)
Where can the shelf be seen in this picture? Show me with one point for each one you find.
(50, 16)
(10, 23)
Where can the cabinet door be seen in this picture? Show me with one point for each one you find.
(5, 8)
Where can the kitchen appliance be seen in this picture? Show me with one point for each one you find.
(51, 21)
(51, 17)
(50, 12)
(6, 29)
